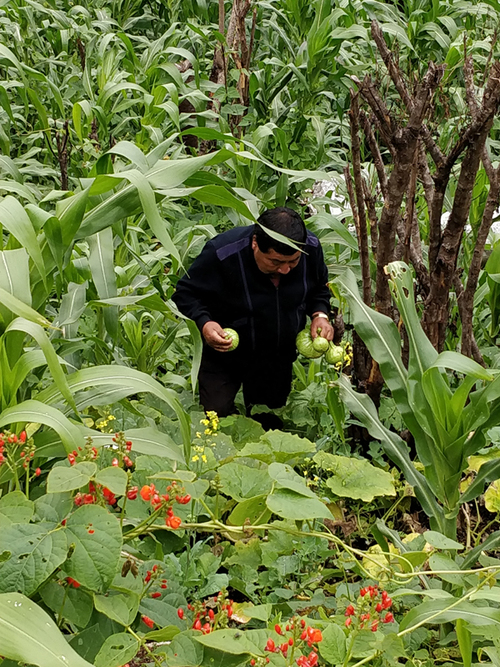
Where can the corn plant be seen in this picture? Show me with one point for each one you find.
(448, 423)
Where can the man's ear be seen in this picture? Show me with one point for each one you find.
(254, 243)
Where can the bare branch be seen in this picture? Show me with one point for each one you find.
(358, 182)
(372, 217)
(375, 151)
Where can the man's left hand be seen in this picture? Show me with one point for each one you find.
(323, 325)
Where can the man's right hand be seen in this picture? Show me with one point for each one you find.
(214, 336)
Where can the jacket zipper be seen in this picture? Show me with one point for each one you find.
(278, 314)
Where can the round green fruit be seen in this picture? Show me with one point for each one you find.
(335, 354)
(305, 346)
(234, 338)
(320, 344)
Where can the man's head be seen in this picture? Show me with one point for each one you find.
(274, 257)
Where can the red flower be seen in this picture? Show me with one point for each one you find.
(132, 493)
(180, 613)
(22, 437)
(156, 595)
(316, 636)
(387, 603)
(38, 472)
(148, 621)
(350, 611)
(147, 492)
(73, 582)
(270, 646)
(388, 618)
(197, 624)
(277, 628)
(173, 522)
(348, 622)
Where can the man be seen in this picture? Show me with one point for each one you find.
(246, 280)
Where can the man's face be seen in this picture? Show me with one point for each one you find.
(272, 262)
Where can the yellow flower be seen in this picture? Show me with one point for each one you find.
(205, 422)
(204, 458)
(195, 458)
(198, 434)
(208, 431)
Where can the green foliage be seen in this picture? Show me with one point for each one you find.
(120, 158)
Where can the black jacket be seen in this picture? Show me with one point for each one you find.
(225, 285)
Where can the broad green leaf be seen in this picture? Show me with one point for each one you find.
(101, 262)
(197, 351)
(278, 446)
(97, 537)
(15, 278)
(492, 498)
(332, 647)
(36, 332)
(120, 607)
(28, 634)
(36, 551)
(290, 505)
(15, 508)
(18, 307)
(231, 640)
(63, 478)
(355, 478)
(441, 541)
(114, 478)
(136, 381)
(438, 610)
(286, 478)
(162, 612)
(53, 507)
(72, 604)
(240, 482)
(131, 152)
(464, 641)
(382, 338)
(253, 510)
(217, 196)
(396, 449)
(461, 364)
(14, 219)
(442, 562)
(40, 413)
(149, 441)
(488, 471)
(166, 634)
(184, 651)
(117, 650)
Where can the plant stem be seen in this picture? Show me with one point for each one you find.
(142, 642)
